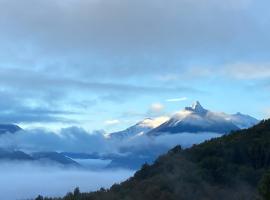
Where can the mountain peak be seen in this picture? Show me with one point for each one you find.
(197, 108)
(196, 105)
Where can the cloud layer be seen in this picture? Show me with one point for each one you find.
(78, 140)
(32, 180)
(84, 56)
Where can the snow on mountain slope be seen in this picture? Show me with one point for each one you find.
(197, 119)
(194, 119)
(240, 120)
(243, 121)
(140, 128)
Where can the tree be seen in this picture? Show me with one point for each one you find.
(264, 187)
(76, 192)
(39, 197)
(176, 149)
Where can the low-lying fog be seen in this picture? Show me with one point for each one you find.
(25, 181)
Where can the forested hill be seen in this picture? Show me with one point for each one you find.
(235, 167)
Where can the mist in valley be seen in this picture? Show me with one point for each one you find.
(22, 180)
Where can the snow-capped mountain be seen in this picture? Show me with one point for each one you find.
(197, 119)
(140, 128)
(194, 119)
(242, 121)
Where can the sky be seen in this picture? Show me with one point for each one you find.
(106, 64)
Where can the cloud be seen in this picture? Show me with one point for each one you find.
(236, 70)
(75, 139)
(76, 36)
(266, 113)
(177, 99)
(154, 122)
(248, 71)
(18, 79)
(20, 108)
(25, 183)
(112, 122)
(79, 51)
(168, 141)
(30, 97)
(29, 115)
(90, 19)
(32, 180)
(69, 139)
(156, 108)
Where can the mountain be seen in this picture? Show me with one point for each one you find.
(235, 166)
(196, 119)
(42, 157)
(75, 155)
(138, 129)
(54, 157)
(242, 121)
(9, 128)
(187, 127)
(14, 155)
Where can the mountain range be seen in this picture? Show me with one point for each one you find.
(140, 128)
(194, 119)
(234, 166)
(41, 157)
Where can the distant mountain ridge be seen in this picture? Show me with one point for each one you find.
(139, 129)
(42, 157)
(55, 157)
(9, 128)
(194, 119)
(234, 166)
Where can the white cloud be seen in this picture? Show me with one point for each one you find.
(156, 108)
(70, 139)
(155, 122)
(168, 140)
(112, 122)
(266, 113)
(77, 140)
(177, 99)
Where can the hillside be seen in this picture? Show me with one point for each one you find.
(235, 166)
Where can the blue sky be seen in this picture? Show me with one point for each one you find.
(103, 64)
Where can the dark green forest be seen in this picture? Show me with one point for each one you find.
(235, 166)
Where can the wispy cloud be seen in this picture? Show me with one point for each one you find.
(177, 99)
